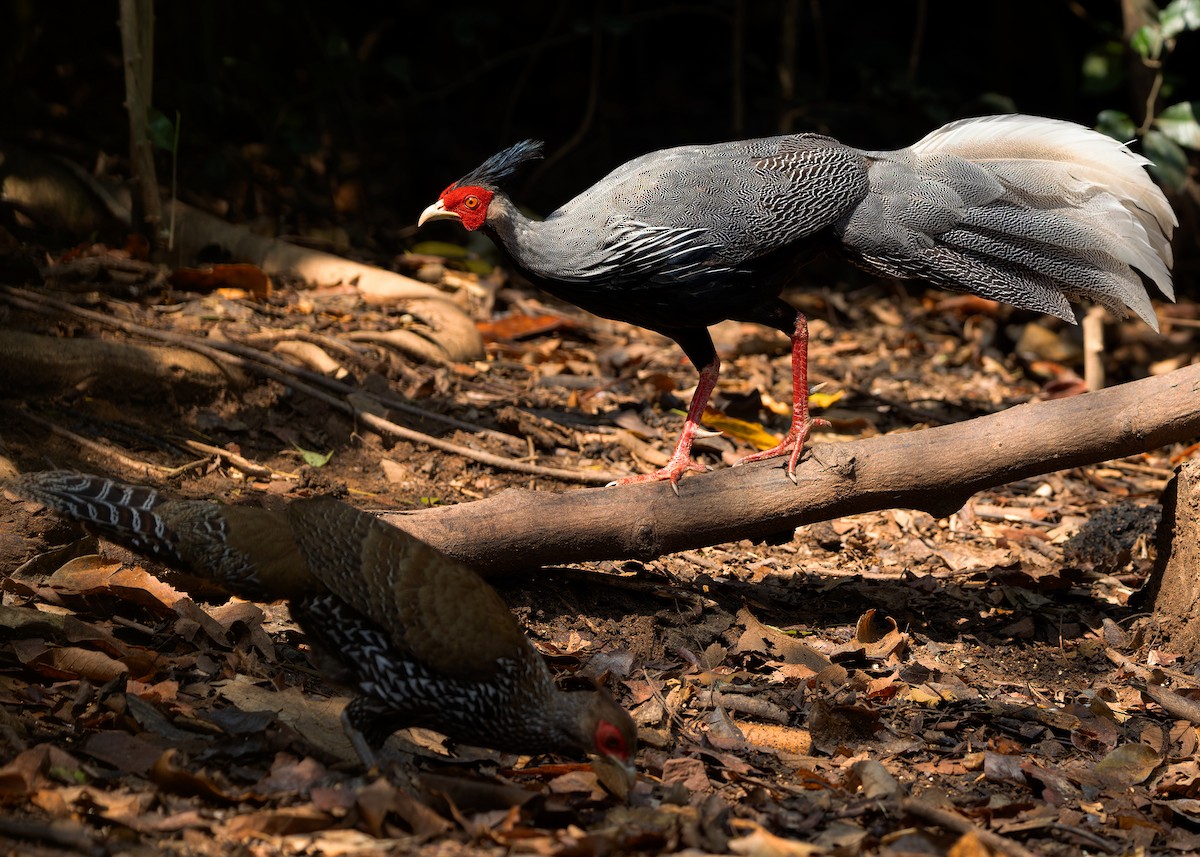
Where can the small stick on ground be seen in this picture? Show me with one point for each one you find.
(959, 824)
(232, 459)
(113, 458)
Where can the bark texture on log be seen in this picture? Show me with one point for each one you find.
(935, 470)
(1173, 593)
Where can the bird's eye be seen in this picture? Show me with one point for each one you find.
(609, 739)
(471, 202)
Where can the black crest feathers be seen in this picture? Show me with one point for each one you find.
(502, 164)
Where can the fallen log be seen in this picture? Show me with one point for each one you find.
(935, 470)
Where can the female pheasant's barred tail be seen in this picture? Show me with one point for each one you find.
(126, 514)
(1034, 212)
(247, 551)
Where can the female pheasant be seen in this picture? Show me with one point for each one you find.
(421, 638)
(1027, 211)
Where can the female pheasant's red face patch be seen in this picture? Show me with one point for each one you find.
(469, 203)
(610, 741)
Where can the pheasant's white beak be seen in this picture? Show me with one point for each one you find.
(437, 211)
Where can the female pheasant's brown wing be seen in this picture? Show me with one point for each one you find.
(436, 608)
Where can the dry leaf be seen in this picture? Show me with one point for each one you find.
(752, 433)
(236, 278)
(776, 645)
(969, 845)
(875, 781)
(127, 753)
(276, 822)
(1127, 765)
(761, 843)
(691, 773)
(518, 325)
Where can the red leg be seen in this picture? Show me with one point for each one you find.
(681, 460)
(802, 423)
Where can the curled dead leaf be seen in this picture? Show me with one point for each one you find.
(1127, 765)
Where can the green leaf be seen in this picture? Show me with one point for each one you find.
(440, 248)
(478, 266)
(1117, 125)
(430, 501)
(1104, 68)
(1178, 16)
(313, 459)
(1179, 123)
(1169, 162)
(71, 776)
(1148, 41)
(161, 131)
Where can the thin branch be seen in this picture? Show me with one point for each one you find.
(950, 820)
(113, 457)
(230, 459)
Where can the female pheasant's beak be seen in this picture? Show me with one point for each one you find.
(437, 211)
(618, 776)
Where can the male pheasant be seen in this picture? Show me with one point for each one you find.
(421, 638)
(1020, 209)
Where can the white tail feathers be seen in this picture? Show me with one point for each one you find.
(1106, 203)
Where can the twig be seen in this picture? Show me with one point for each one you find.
(331, 343)
(959, 824)
(1093, 840)
(232, 459)
(1093, 348)
(111, 454)
(185, 341)
(58, 833)
(1144, 469)
(334, 385)
(1173, 703)
(752, 705)
(629, 583)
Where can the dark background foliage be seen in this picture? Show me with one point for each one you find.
(362, 113)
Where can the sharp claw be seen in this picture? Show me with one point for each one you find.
(675, 487)
(707, 433)
(613, 484)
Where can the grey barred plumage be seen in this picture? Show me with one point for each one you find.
(1029, 211)
(420, 638)
(125, 512)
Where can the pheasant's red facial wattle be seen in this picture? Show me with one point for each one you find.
(469, 203)
(610, 741)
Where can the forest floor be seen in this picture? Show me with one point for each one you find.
(887, 683)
